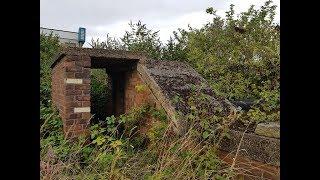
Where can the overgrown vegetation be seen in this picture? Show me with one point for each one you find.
(239, 57)
(48, 47)
(115, 155)
(100, 93)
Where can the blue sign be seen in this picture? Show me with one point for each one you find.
(82, 35)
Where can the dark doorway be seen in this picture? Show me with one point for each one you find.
(101, 94)
(118, 80)
(108, 81)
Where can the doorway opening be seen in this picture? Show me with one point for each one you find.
(108, 83)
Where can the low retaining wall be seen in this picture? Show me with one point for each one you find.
(258, 156)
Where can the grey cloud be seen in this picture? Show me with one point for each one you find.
(160, 14)
(74, 13)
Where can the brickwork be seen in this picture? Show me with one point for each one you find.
(137, 93)
(58, 86)
(249, 169)
(71, 93)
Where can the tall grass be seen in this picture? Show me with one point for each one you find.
(121, 157)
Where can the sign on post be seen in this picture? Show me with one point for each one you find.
(82, 35)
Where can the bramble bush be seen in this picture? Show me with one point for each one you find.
(238, 56)
(241, 65)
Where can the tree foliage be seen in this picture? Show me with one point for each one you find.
(238, 55)
(49, 45)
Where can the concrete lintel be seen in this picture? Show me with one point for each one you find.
(74, 81)
(81, 109)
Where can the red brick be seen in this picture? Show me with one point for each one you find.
(86, 81)
(82, 87)
(79, 63)
(70, 75)
(75, 115)
(85, 103)
(86, 115)
(86, 72)
(86, 92)
(83, 98)
(70, 87)
(73, 69)
(74, 104)
(78, 75)
(70, 64)
(73, 92)
(87, 63)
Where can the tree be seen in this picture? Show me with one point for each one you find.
(140, 38)
(240, 57)
(49, 45)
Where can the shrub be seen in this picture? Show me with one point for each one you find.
(49, 46)
(241, 65)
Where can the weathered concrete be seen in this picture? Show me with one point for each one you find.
(176, 79)
(258, 148)
(268, 129)
(102, 54)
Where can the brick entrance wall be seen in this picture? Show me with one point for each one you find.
(71, 93)
(137, 93)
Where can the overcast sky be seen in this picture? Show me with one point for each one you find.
(100, 17)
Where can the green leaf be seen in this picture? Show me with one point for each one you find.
(205, 134)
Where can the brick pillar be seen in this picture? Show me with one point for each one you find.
(76, 113)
